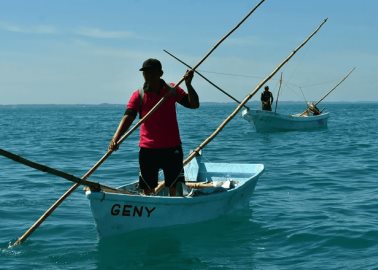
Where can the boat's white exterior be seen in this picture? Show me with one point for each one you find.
(121, 213)
(265, 121)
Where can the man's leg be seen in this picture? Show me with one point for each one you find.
(173, 169)
(149, 170)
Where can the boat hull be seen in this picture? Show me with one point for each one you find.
(265, 121)
(121, 213)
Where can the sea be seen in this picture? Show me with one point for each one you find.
(314, 207)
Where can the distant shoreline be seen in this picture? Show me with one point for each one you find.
(202, 103)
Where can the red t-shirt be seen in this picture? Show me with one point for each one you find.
(160, 130)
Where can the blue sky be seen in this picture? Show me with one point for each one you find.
(90, 52)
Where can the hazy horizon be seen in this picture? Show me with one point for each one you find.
(90, 52)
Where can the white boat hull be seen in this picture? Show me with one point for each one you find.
(121, 213)
(265, 121)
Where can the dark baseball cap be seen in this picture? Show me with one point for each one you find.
(151, 64)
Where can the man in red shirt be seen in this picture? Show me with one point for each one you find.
(160, 143)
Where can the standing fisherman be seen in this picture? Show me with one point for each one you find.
(266, 99)
(160, 143)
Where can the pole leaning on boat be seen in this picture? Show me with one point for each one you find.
(330, 91)
(109, 152)
(245, 100)
(56, 172)
(196, 151)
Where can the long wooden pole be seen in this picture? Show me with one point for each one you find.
(245, 100)
(329, 92)
(108, 153)
(93, 185)
(206, 79)
(278, 93)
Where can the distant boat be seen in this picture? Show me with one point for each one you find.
(311, 119)
(215, 189)
(265, 121)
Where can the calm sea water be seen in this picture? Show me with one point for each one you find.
(315, 207)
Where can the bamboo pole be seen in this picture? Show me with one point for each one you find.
(108, 153)
(278, 93)
(93, 185)
(239, 107)
(329, 92)
(245, 100)
(206, 79)
(343, 79)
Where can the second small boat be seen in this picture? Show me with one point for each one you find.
(267, 121)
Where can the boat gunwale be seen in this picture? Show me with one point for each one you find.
(101, 195)
(289, 117)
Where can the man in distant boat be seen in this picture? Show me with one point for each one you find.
(160, 143)
(266, 99)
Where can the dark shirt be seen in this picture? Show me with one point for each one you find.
(266, 96)
(267, 99)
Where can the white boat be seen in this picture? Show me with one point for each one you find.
(265, 121)
(228, 188)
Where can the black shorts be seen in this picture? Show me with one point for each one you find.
(170, 160)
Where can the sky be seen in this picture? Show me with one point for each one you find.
(90, 51)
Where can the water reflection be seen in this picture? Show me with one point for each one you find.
(200, 246)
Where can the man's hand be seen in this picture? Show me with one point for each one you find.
(113, 146)
(188, 77)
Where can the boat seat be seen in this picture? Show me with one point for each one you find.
(200, 189)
